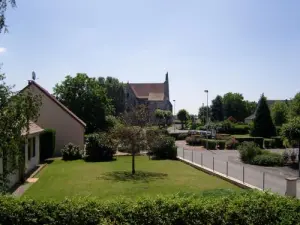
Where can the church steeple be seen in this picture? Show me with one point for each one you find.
(166, 88)
(167, 77)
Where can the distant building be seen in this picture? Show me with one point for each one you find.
(153, 95)
(250, 118)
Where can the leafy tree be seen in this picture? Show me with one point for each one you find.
(86, 98)
(3, 7)
(291, 132)
(295, 106)
(250, 107)
(16, 112)
(115, 91)
(183, 116)
(217, 109)
(234, 105)
(279, 113)
(159, 115)
(132, 133)
(263, 125)
(202, 114)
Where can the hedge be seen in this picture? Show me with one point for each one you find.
(249, 207)
(47, 144)
(269, 143)
(268, 159)
(278, 142)
(257, 140)
(237, 129)
(179, 136)
(212, 144)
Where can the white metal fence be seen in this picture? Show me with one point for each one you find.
(249, 175)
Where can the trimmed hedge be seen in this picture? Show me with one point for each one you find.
(179, 136)
(257, 140)
(269, 143)
(278, 142)
(249, 207)
(212, 144)
(47, 144)
(268, 159)
(237, 129)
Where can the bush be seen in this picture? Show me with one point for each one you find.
(99, 147)
(47, 144)
(234, 129)
(231, 144)
(268, 159)
(269, 143)
(257, 140)
(248, 150)
(163, 147)
(278, 142)
(199, 141)
(178, 136)
(71, 152)
(285, 157)
(182, 136)
(241, 208)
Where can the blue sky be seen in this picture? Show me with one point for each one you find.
(248, 46)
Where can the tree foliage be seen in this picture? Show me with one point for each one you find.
(217, 109)
(16, 112)
(162, 116)
(183, 116)
(279, 113)
(3, 7)
(263, 125)
(202, 114)
(234, 105)
(250, 107)
(291, 130)
(86, 98)
(295, 106)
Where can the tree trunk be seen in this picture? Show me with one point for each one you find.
(133, 162)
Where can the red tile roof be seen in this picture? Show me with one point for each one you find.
(31, 82)
(142, 90)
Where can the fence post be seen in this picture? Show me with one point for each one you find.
(243, 174)
(213, 163)
(201, 159)
(263, 181)
(192, 155)
(227, 168)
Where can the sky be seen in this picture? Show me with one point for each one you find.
(250, 46)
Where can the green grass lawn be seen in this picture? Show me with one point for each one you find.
(108, 180)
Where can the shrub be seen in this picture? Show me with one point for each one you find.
(241, 208)
(47, 144)
(278, 142)
(223, 136)
(182, 136)
(163, 147)
(269, 143)
(99, 147)
(248, 150)
(293, 156)
(268, 159)
(285, 157)
(71, 152)
(199, 141)
(257, 140)
(178, 136)
(231, 144)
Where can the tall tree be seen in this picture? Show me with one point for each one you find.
(263, 125)
(3, 7)
(16, 112)
(115, 91)
(202, 114)
(86, 98)
(295, 106)
(217, 109)
(279, 112)
(234, 105)
(183, 116)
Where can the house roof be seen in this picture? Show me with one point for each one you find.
(156, 96)
(31, 82)
(143, 90)
(33, 129)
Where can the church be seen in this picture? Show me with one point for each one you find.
(154, 95)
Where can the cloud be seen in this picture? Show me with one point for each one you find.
(2, 50)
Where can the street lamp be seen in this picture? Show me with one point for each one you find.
(207, 123)
(174, 115)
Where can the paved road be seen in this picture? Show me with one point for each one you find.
(273, 178)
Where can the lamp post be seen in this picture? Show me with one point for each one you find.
(207, 123)
(174, 115)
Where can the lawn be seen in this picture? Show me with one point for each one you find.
(108, 180)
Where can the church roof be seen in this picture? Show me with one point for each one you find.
(148, 90)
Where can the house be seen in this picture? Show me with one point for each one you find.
(154, 95)
(53, 114)
(270, 103)
(31, 154)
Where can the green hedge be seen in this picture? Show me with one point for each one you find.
(269, 143)
(199, 141)
(236, 129)
(179, 136)
(47, 144)
(268, 159)
(278, 142)
(242, 208)
(257, 140)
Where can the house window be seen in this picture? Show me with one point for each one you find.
(33, 147)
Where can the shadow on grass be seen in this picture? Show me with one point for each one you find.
(138, 176)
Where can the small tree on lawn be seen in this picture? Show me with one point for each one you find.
(263, 125)
(183, 116)
(167, 116)
(159, 115)
(291, 132)
(132, 133)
